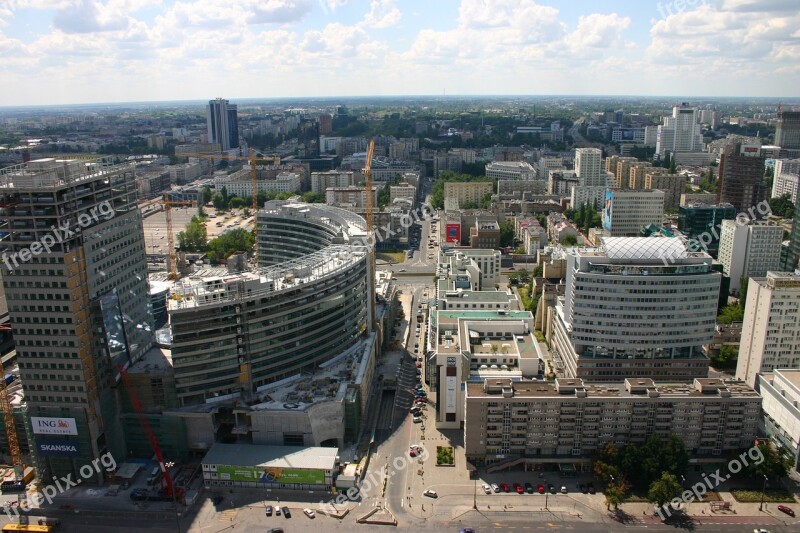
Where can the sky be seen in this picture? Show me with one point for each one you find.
(88, 51)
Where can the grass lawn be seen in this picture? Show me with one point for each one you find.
(444, 455)
(391, 257)
(771, 495)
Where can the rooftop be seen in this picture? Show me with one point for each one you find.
(272, 456)
(644, 248)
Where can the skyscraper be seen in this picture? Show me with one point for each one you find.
(741, 176)
(680, 132)
(223, 123)
(787, 131)
(75, 278)
(587, 167)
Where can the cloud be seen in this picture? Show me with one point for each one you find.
(279, 11)
(750, 6)
(382, 14)
(599, 31)
(88, 16)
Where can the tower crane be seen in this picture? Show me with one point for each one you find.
(370, 226)
(275, 159)
(8, 415)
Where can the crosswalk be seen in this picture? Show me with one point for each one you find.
(228, 516)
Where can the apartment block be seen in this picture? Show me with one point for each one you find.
(780, 391)
(352, 196)
(467, 192)
(636, 174)
(588, 165)
(570, 421)
(510, 170)
(635, 307)
(673, 186)
(749, 250)
(332, 178)
(787, 130)
(771, 330)
(787, 176)
(626, 212)
(546, 164)
(623, 171)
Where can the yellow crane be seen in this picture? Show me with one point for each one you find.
(8, 416)
(168, 203)
(370, 238)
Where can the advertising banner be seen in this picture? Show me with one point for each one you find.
(53, 426)
(271, 475)
(58, 448)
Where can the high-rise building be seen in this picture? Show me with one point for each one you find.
(78, 299)
(622, 172)
(635, 307)
(749, 250)
(637, 172)
(702, 224)
(673, 186)
(787, 176)
(680, 132)
(741, 178)
(780, 391)
(771, 329)
(223, 123)
(626, 212)
(787, 130)
(587, 167)
(325, 124)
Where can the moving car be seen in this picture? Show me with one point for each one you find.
(487, 489)
(467, 530)
(309, 513)
(275, 530)
(785, 509)
(430, 493)
(417, 419)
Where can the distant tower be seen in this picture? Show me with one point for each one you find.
(787, 131)
(741, 176)
(223, 123)
(325, 124)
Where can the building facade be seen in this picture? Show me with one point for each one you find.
(510, 170)
(741, 177)
(626, 212)
(673, 186)
(787, 130)
(470, 192)
(222, 121)
(749, 250)
(332, 178)
(780, 391)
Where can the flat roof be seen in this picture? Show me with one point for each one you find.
(313, 458)
(666, 390)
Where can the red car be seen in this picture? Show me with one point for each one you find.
(541, 489)
(505, 487)
(787, 510)
(518, 488)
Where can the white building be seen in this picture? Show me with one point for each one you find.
(680, 132)
(787, 176)
(749, 250)
(626, 212)
(510, 170)
(355, 196)
(332, 178)
(780, 393)
(635, 307)
(771, 330)
(588, 163)
(237, 185)
(546, 164)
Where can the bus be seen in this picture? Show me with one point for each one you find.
(28, 527)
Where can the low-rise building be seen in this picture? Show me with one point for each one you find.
(780, 391)
(510, 170)
(484, 234)
(568, 420)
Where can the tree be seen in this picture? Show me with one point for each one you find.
(230, 242)
(207, 195)
(782, 206)
(743, 283)
(569, 240)
(193, 238)
(730, 314)
(726, 359)
(664, 490)
(615, 493)
(673, 167)
(506, 234)
(220, 203)
(237, 202)
(774, 465)
(224, 192)
(313, 197)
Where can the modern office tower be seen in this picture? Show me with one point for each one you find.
(306, 305)
(680, 132)
(749, 250)
(626, 212)
(76, 284)
(780, 391)
(623, 171)
(771, 330)
(223, 123)
(741, 178)
(787, 176)
(587, 167)
(636, 307)
(673, 186)
(787, 130)
(702, 224)
(325, 124)
(510, 170)
(533, 422)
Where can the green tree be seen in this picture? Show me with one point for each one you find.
(506, 234)
(569, 240)
(774, 465)
(615, 493)
(237, 202)
(207, 195)
(224, 192)
(730, 314)
(220, 203)
(673, 167)
(194, 237)
(782, 206)
(230, 242)
(726, 359)
(313, 197)
(744, 282)
(664, 490)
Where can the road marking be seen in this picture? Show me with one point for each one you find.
(228, 516)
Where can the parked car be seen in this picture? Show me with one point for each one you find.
(552, 488)
(417, 419)
(563, 489)
(495, 487)
(541, 489)
(583, 488)
(590, 488)
(487, 489)
(518, 488)
(785, 509)
(505, 487)
(430, 493)
(467, 530)
(528, 488)
(309, 513)
(268, 510)
(286, 512)
(275, 530)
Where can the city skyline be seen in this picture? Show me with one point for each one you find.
(139, 50)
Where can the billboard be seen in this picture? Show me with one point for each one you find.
(607, 210)
(453, 233)
(271, 475)
(58, 448)
(53, 426)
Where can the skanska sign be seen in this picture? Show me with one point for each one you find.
(58, 448)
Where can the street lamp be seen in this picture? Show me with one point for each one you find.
(763, 490)
(475, 496)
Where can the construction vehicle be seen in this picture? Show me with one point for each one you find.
(276, 160)
(168, 490)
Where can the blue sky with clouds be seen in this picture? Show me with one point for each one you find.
(82, 51)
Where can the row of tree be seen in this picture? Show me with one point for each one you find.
(222, 201)
(195, 239)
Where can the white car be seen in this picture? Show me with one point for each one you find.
(487, 489)
(495, 487)
(309, 513)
